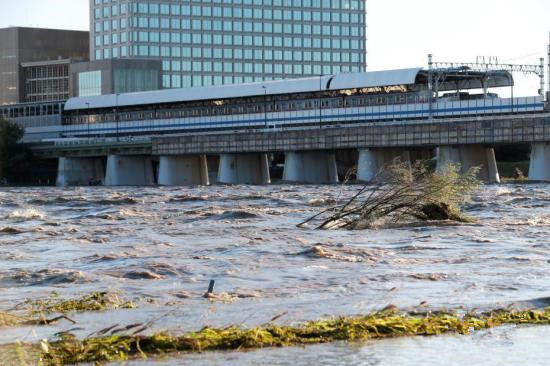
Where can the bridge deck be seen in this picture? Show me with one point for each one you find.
(489, 130)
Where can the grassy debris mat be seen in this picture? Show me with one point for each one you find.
(11, 320)
(96, 301)
(123, 343)
(38, 310)
(20, 354)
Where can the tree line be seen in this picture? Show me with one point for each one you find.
(15, 158)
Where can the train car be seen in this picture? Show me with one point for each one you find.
(314, 102)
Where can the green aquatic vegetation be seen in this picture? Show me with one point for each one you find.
(67, 349)
(96, 301)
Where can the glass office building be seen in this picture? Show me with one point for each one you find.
(214, 42)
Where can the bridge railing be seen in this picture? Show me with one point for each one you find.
(99, 141)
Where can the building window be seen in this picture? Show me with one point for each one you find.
(89, 83)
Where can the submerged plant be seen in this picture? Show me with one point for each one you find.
(68, 350)
(403, 193)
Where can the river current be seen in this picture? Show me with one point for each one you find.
(160, 247)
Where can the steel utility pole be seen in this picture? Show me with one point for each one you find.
(88, 118)
(116, 117)
(320, 101)
(265, 105)
(430, 84)
(548, 75)
(541, 76)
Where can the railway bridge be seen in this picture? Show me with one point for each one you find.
(228, 134)
(243, 158)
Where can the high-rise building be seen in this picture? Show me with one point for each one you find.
(34, 63)
(214, 42)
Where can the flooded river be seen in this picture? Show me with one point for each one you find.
(160, 247)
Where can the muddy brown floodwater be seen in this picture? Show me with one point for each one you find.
(160, 247)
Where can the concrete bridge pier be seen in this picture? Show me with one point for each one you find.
(372, 162)
(244, 169)
(213, 164)
(315, 167)
(469, 156)
(129, 170)
(182, 170)
(80, 172)
(539, 165)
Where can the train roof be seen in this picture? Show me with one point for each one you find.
(340, 81)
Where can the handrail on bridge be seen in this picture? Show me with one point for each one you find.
(99, 141)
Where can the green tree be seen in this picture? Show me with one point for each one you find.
(15, 158)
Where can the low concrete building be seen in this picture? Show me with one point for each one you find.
(114, 76)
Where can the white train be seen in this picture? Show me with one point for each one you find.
(315, 102)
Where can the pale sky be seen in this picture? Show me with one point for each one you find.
(400, 32)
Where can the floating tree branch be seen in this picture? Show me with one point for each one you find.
(403, 193)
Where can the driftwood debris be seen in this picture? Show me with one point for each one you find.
(402, 193)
